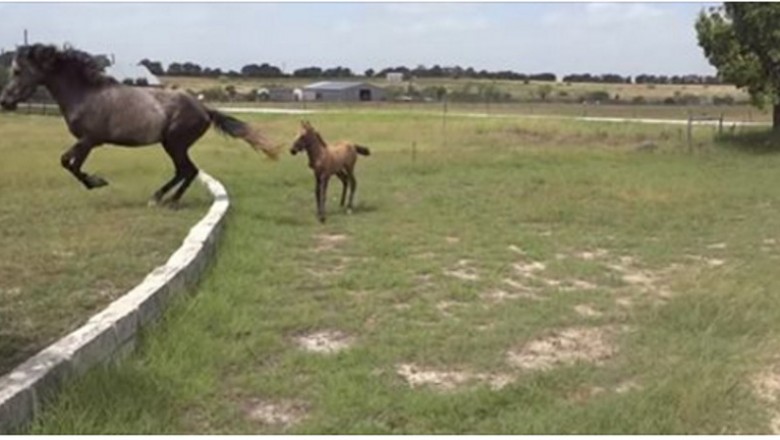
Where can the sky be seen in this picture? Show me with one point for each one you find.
(562, 38)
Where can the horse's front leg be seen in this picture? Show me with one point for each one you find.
(74, 158)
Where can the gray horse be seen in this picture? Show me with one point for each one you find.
(99, 110)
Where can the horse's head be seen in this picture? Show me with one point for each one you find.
(305, 138)
(30, 66)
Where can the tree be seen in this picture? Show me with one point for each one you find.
(264, 70)
(155, 67)
(741, 40)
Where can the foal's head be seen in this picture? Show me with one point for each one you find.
(308, 138)
(32, 65)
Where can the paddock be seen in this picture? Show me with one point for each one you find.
(509, 275)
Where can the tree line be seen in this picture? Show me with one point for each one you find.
(266, 70)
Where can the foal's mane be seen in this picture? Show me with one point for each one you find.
(51, 60)
(316, 134)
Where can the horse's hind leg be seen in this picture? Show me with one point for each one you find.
(189, 172)
(185, 173)
(74, 158)
(345, 183)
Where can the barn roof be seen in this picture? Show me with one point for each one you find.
(335, 85)
(123, 71)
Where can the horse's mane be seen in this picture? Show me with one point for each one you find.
(51, 59)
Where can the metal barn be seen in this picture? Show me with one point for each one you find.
(133, 73)
(342, 91)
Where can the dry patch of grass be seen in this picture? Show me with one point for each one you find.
(325, 341)
(449, 380)
(565, 347)
(279, 413)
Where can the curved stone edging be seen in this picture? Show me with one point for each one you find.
(112, 332)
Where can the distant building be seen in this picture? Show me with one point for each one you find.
(134, 74)
(394, 77)
(275, 94)
(342, 91)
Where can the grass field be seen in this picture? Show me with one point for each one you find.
(66, 252)
(518, 89)
(512, 276)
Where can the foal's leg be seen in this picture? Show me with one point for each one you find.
(74, 158)
(344, 182)
(353, 185)
(321, 194)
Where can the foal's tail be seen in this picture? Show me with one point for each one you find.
(233, 127)
(362, 150)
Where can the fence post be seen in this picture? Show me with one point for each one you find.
(690, 133)
(444, 121)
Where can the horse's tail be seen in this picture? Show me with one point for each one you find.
(233, 127)
(362, 150)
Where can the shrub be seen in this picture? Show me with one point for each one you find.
(596, 96)
(214, 94)
(723, 100)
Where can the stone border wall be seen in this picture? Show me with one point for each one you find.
(112, 333)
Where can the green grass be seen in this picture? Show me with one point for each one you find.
(65, 252)
(698, 226)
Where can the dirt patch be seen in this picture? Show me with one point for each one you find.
(711, 262)
(528, 270)
(452, 240)
(445, 306)
(587, 311)
(333, 269)
(767, 387)
(500, 295)
(283, 413)
(564, 347)
(463, 271)
(585, 393)
(516, 249)
(439, 380)
(646, 281)
(593, 255)
(627, 386)
(327, 242)
(326, 341)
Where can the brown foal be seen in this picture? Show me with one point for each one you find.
(325, 161)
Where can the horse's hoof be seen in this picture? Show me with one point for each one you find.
(153, 203)
(96, 182)
(349, 211)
